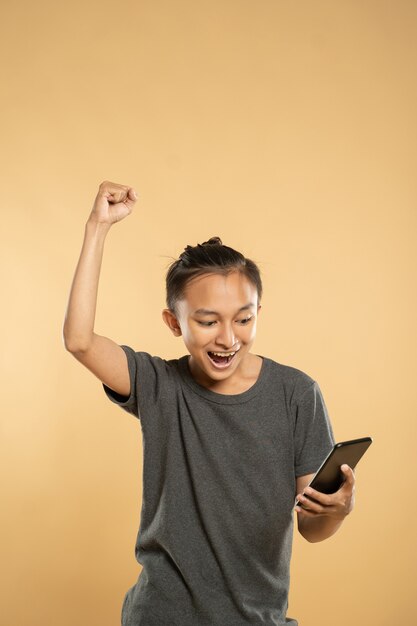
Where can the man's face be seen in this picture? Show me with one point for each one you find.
(218, 314)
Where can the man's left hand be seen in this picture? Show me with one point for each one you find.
(336, 505)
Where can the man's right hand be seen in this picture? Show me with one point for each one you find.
(113, 203)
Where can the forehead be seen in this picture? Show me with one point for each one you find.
(218, 292)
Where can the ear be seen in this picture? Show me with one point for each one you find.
(259, 308)
(172, 322)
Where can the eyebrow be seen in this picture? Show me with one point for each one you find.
(208, 312)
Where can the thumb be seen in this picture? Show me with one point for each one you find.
(349, 475)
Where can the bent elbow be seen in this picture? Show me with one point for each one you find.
(311, 538)
(73, 348)
(74, 345)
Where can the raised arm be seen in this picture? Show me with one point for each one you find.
(99, 354)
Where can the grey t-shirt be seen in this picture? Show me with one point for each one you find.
(219, 482)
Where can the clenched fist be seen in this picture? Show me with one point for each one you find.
(113, 203)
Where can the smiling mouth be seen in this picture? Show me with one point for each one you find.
(220, 360)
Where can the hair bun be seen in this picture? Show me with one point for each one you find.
(214, 241)
(190, 249)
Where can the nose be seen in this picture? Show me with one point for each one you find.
(226, 336)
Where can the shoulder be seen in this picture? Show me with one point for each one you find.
(147, 362)
(291, 378)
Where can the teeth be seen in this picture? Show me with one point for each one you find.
(224, 353)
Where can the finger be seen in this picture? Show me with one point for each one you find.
(320, 497)
(107, 186)
(131, 197)
(119, 195)
(309, 508)
(305, 512)
(310, 505)
(132, 194)
(113, 191)
(349, 476)
(348, 471)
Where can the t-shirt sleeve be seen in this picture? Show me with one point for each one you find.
(147, 374)
(313, 437)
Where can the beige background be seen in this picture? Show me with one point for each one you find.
(286, 128)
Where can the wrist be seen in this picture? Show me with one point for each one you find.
(93, 227)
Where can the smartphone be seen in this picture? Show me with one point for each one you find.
(329, 477)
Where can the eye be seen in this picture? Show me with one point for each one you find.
(243, 322)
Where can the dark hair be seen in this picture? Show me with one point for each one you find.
(212, 256)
